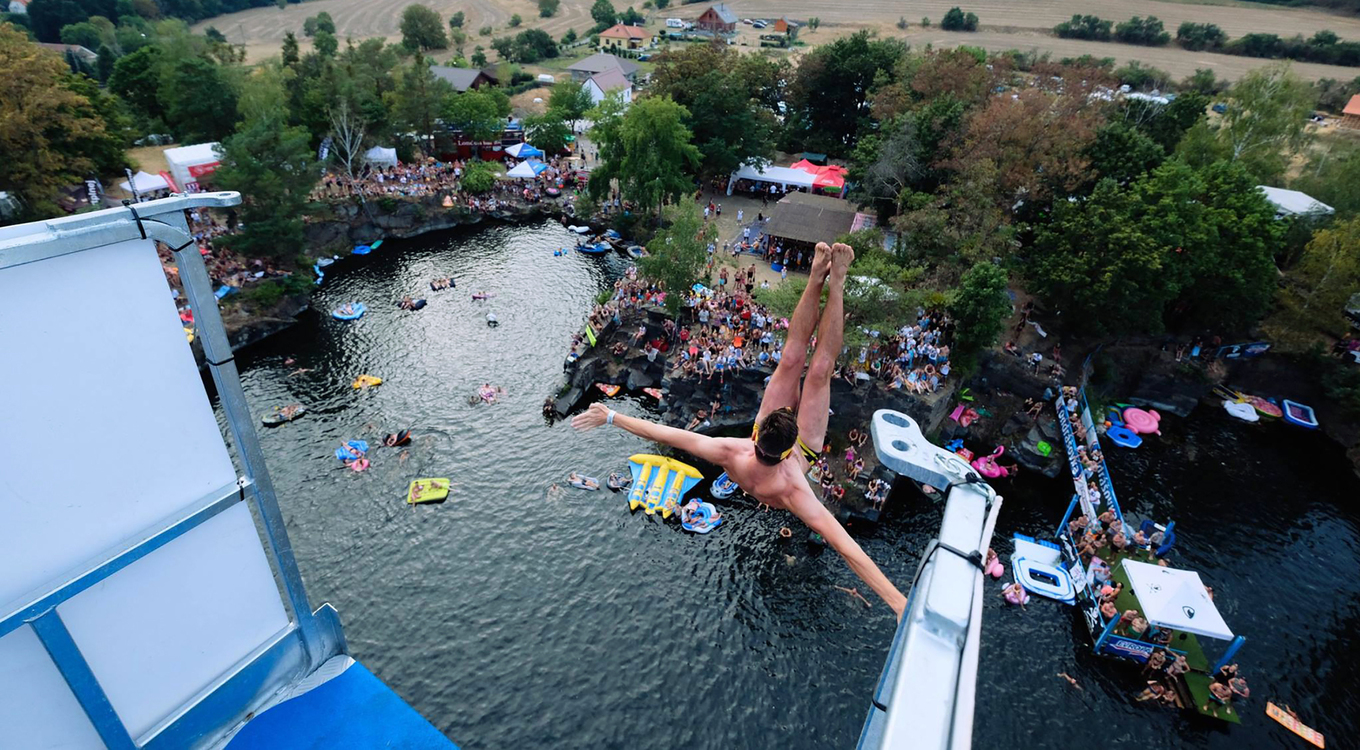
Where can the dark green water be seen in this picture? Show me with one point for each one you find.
(512, 619)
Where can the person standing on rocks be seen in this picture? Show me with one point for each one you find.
(772, 466)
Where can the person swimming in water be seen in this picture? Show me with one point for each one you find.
(772, 465)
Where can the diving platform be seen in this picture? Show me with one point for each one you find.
(150, 596)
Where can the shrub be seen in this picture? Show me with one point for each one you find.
(1084, 27)
(484, 31)
(515, 20)
(1199, 36)
(1146, 31)
(478, 177)
(957, 20)
(1138, 76)
(548, 8)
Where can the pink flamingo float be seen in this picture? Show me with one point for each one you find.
(987, 465)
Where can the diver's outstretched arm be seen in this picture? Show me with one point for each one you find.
(805, 505)
(710, 449)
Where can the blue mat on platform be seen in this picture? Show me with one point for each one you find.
(353, 710)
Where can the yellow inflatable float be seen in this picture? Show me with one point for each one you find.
(431, 490)
(366, 381)
(659, 483)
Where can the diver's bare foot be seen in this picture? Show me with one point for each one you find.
(841, 256)
(821, 263)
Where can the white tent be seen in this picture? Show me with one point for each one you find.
(783, 176)
(146, 183)
(527, 169)
(190, 164)
(1293, 202)
(386, 157)
(1176, 599)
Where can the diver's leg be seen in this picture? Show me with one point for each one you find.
(816, 398)
(782, 390)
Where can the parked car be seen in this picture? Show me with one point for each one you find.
(674, 23)
(758, 24)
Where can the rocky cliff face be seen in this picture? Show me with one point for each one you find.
(347, 224)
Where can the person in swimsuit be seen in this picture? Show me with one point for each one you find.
(772, 466)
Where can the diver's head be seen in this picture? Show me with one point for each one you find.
(776, 435)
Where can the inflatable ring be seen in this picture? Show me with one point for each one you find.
(786, 533)
(359, 464)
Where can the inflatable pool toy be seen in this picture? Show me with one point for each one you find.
(659, 483)
(189, 334)
(987, 465)
(367, 381)
(351, 450)
(415, 305)
(616, 481)
(964, 415)
(653, 392)
(996, 570)
(325, 262)
(282, 415)
(583, 482)
(1241, 410)
(1118, 433)
(491, 320)
(578, 230)
(1037, 566)
(1044, 448)
(427, 490)
(483, 295)
(352, 311)
(608, 389)
(1142, 421)
(375, 245)
(700, 518)
(358, 464)
(723, 487)
(1300, 414)
(1020, 597)
(598, 248)
(486, 393)
(1294, 725)
(362, 249)
(956, 446)
(1264, 407)
(397, 439)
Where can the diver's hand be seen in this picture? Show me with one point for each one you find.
(590, 418)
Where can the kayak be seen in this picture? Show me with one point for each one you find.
(276, 417)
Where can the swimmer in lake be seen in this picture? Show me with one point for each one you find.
(772, 465)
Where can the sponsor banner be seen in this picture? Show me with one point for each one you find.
(1243, 351)
(198, 170)
(1127, 648)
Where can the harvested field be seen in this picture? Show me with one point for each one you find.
(1022, 24)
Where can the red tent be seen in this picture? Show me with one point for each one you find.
(830, 178)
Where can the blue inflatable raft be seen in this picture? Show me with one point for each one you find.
(358, 310)
(700, 518)
(1118, 433)
(723, 487)
(659, 483)
(358, 445)
(362, 249)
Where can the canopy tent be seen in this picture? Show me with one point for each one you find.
(190, 165)
(523, 151)
(386, 157)
(1175, 599)
(782, 176)
(145, 183)
(1293, 202)
(527, 169)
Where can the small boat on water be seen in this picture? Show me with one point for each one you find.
(1300, 414)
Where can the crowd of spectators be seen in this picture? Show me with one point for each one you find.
(432, 177)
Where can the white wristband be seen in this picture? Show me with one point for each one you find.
(609, 419)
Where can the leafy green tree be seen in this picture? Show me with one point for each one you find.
(477, 113)
(515, 20)
(548, 8)
(326, 44)
(532, 45)
(1264, 126)
(648, 152)
(324, 22)
(827, 99)
(1123, 153)
(548, 132)
(84, 33)
(731, 99)
(200, 105)
(631, 17)
(1316, 289)
(421, 29)
(458, 38)
(1331, 177)
(604, 14)
(569, 37)
(1085, 27)
(569, 100)
(136, 79)
(272, 166)
(51, 135)
(478, 57)
(1166, 124)
(456, 20)
(478, 177)
(1146, 31)
(1198, 36)
(291, 52)
(676, 256)
(418, 99)
(956, 20)
(979, 308)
